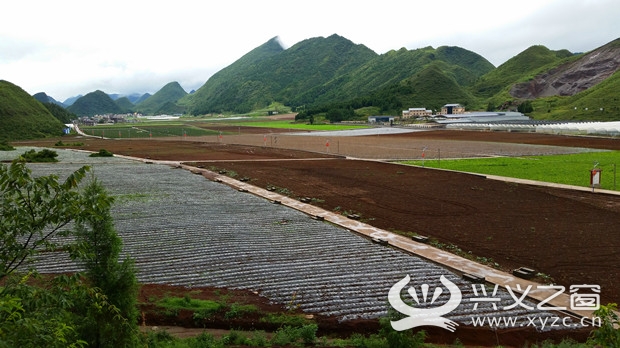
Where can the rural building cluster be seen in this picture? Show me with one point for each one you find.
(107, 118)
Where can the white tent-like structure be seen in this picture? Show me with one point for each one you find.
(594, 128)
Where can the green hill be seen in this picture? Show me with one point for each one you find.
(324, 71)
(62, 114)
(170, 93)
(432, 87)
(44, 98)
(142, 98)
(125, 104)
(320, 73)
(475, 64)
(216, 96)
(95, 103)
(269, 73)
(56, 108)
(520, 67)
(23, 117)
(599, 103)
(390, 69)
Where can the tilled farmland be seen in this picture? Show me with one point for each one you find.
(182, 229)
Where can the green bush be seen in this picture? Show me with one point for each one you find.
(608, 334)
(236, 310)
(44, 155)
(285, 319)
(235, 338)
(5, 146)
(59, 143)
(289, 335)
(102, 153)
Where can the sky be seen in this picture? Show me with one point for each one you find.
(70, 47)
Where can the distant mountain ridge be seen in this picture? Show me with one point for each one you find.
(44, 98)
(332, 72)
(169, 94)
(95, 103)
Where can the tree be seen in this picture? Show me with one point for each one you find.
(65, 311)
(39, 316)
(525, 107)
(33, 210)
(98, 248)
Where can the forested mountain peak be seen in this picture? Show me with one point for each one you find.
(94, 103)
(23, 117)
(170, 93)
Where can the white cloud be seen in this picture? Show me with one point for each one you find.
(70, 47)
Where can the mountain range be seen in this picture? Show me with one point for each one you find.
(332, 73)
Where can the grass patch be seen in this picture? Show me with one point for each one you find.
(147, 130)
(285, 124)
(239, 310)
(176, 303)
(286, 319)
(133, 197)
(573, 169)
(59, 143)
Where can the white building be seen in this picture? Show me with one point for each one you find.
(417, 112)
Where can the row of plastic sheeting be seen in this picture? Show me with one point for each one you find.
(594, 128)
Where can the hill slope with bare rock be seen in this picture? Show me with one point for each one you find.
(573, 77)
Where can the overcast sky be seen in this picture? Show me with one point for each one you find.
(65, 48)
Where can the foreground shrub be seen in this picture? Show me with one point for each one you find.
(44, 155)
(102, 153)
(608, 335)
(5, 146)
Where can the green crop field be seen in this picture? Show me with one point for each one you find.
(571, 169)
(285, 124)
(147, 130)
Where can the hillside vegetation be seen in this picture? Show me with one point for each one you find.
(125, 104)
(269, 73)
(160, 102)
(216, 96)
(63, 115)
(322, 74)
(319, 72)
(598, 103)
(23, 117)
(94, 103)
(334, 78)
(522, 66)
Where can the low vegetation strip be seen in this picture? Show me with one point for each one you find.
(572, 169)
(182, 229)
